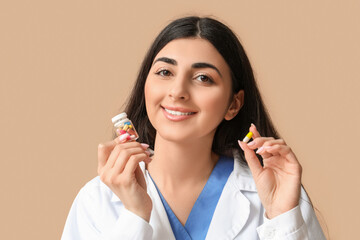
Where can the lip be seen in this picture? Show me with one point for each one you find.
(178, 109)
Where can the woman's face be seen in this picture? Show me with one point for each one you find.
(187, 91)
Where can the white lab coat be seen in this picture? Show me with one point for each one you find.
(98, 214)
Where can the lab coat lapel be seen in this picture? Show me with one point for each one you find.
(159, 220)
(230, 215)
(233, 208)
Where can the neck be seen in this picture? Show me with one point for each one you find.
(177, 164)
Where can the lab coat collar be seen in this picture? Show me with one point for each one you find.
(230, 215)
(242, 176)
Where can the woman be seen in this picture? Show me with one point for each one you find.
(194, 98)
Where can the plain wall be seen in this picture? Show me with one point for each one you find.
(66, 68)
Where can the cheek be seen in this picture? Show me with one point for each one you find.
(152, 92)
(148, 97)
(154, 95)
(216, 104)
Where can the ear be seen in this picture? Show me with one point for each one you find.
(235, 106)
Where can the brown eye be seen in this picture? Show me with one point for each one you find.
(204, 79)
(164, 73)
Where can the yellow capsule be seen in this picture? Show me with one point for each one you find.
(125, 127)
(248, 137)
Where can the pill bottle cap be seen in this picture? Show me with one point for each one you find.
(119, 117)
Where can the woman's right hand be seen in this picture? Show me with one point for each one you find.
(118, 168)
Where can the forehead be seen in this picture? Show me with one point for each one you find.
(191, 50)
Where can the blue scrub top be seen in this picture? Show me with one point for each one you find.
(198, 222)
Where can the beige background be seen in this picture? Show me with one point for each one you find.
(66, 68)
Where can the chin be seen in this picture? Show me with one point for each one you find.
(173, 136)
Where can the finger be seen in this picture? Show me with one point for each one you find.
(262, 141)
(125, 156)
(132, 144)
(254, 130)
(251, 159)
(123, 151)
(104, 150)
(282, 150)
(264, 154)
(133, 163)
(267, 146)
(112, 157)
(257, 139)
(123, 138)
(283, 165)
(123, 147)
(274, 162)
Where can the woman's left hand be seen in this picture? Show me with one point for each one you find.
(279, 181)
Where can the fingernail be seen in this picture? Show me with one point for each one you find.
(260, 150)
(253, 125)
(240, 145)
(151, 152)
(144, 145)
(251, 143)
(147, 152)
(123, 136)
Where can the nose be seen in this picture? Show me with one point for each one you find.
(179, 89)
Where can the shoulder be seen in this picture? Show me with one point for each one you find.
(97, 205)
(95, 193)
(94, 187)
(93, 211)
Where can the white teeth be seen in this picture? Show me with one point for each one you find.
(176, 113)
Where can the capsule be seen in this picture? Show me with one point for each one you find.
(248, 137)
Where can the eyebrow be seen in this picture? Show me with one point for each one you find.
(167, 60)
(195, 65)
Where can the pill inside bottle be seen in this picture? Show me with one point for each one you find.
(124, 128)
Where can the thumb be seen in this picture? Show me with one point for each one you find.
(251, 159)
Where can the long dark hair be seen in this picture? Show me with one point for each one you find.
(228, 45)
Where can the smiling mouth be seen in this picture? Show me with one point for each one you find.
(177, 113)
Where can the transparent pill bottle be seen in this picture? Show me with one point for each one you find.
(124, 128)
